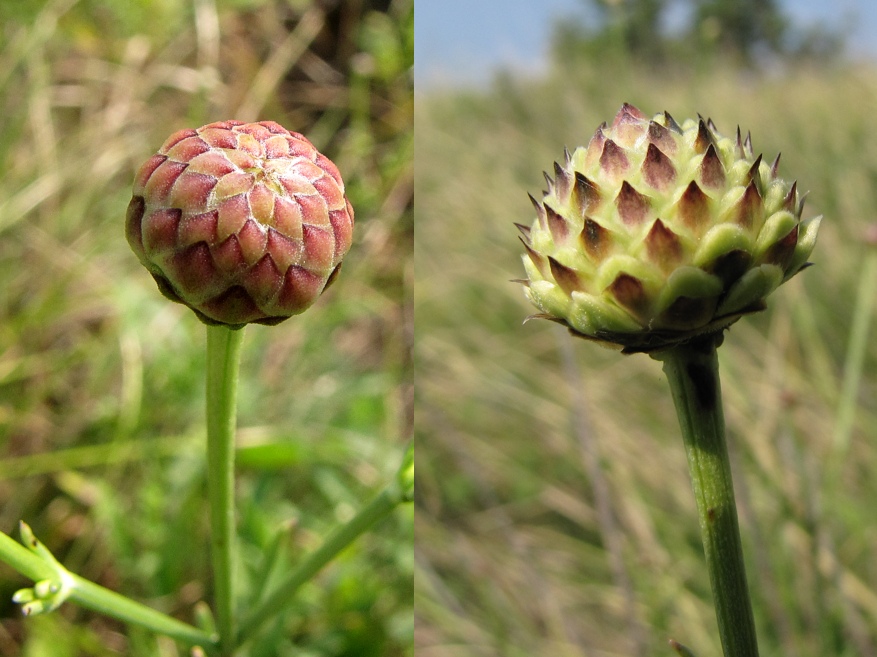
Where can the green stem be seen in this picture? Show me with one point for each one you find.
(692, 370)
(340, 537)
(223, 358)
(95, 597)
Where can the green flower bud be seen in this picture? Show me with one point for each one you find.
(242, 222)
(46, 594)
(657, 232)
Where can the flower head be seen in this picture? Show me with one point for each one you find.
(658, 231)
(242, 222)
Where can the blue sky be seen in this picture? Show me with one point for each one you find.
(463, 40)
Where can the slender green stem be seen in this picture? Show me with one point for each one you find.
(223, 358)
(338, 539)
(96, 597)
(692, 370)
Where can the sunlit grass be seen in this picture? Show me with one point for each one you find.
(101, 391)
(519, 434)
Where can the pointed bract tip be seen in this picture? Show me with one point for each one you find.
(801, 200)
(657, 168)
(712, 172)
(585, 194)
(613, 160)
(671, 123)
(562, 182)
(753, 172)
(628, 113)
(660, 136)
(595, 239)
(704, 138)
(693, 206)
(557, 225)
(633, 207)
(566, 277)
(536, 258)
(548, 181)
(597, 139)
(540, 209)
(775, 166)
(548, 316)
(739, 150)
(748, 207)
(524, 230)
(790, 202)
(663, 246)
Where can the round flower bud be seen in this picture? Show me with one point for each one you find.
(242, 222)
(657, 232)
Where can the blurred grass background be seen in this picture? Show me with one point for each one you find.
(101, 392)
(554, 514)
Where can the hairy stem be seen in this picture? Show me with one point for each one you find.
(223, 358)
(692, 370)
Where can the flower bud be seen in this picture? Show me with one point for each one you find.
(242, 222)
(657, 232)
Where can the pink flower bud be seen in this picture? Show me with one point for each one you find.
(242, 222)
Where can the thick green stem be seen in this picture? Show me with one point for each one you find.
(342, 536)
(223, 358)
(692, 370)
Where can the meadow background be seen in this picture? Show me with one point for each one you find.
(101, 391)
(554, 514)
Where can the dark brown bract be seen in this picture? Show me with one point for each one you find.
(242, 222)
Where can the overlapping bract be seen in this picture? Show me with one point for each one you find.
(242, 222)
(657, 232)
